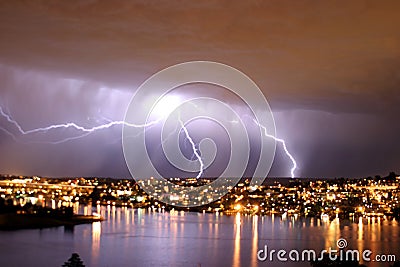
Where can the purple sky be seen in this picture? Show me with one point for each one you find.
(330, 71)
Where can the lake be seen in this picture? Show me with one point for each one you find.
(141, 237)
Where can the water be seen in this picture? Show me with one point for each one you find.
(141, 238)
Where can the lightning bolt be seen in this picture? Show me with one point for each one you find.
(281, 141)
(294, 167)
(195, 150)
(87, 131)
(84, 130)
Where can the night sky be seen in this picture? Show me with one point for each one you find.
(329, 69)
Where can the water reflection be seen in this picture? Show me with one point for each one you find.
(108, 212)
(332, 234)
(145, 238)
(254, 247)
(236, 253)
(360, 234)
(96, 234)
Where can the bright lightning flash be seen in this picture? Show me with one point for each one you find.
(283, 145)
(195, 151)
(87, 131)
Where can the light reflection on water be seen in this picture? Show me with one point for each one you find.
(96, 234)
(236, 252)
(254, 246)
(144, 238)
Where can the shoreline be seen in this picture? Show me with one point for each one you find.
(13, 221)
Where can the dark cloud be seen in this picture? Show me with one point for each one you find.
(324, 66)
(305, 49)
